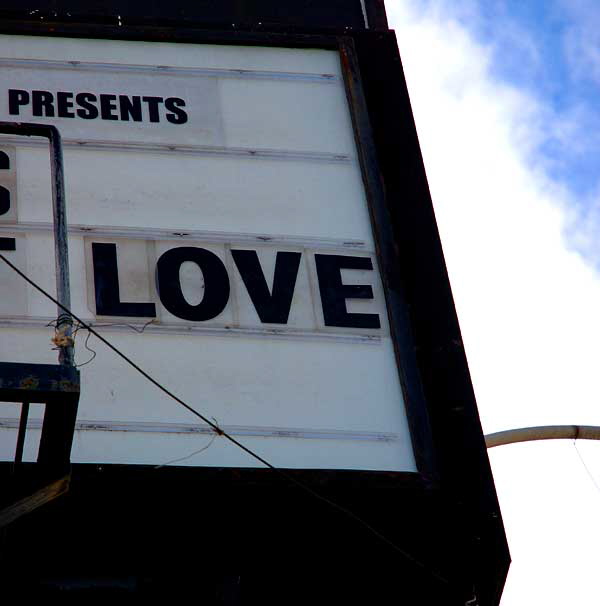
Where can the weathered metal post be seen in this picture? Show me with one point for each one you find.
(64, 324)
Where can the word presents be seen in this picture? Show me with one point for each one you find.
(272, 302)
(90, 106)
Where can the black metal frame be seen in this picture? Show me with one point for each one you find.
(389, 262)
(447, 438)
(56, 386)
(384, 234)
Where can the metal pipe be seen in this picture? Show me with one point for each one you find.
(63, 337)
(61, 249)
(544, 432)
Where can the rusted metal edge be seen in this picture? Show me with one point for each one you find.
(24, 382)
(28, 504)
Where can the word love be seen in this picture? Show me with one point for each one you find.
(337, 279)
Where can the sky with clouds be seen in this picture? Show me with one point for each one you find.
(504, 94)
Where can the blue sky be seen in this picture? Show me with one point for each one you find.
(504, 95)
(551, 50)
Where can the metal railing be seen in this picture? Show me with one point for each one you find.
(59, 420)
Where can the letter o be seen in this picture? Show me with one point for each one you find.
(4, 200)
(216, 283)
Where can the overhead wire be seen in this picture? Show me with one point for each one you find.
(92, 351)
(587, 469)
(220, 432)
(79, 327)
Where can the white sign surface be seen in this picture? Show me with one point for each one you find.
(219, 235)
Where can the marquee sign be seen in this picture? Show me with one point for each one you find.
(249, 220)
(219, 231)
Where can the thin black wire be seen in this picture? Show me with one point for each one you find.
(137, 329)
(586, 467)
(189, 456)
(85, 344)
(223, 433)
(80, 326)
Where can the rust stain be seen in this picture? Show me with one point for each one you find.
(62, 340)
(344, 59)
(29, 383)
(66, 385)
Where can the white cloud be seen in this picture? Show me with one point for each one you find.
(529, 306)
(584, 226)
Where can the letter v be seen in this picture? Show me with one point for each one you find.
(273, 307)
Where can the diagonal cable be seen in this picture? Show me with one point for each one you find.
(218, 431)
(587, 469)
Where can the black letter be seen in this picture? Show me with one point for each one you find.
(178, 116)
(216, 283)
(85, 101)
(42, 103)
(8, 244)
(106, 283)
(153, 103)
(4, 200)
(334, 293)
(108, 105)
(130, 107)
(15, 99)
(271, 307)
(64, 104)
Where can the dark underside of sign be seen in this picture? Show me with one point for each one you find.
(235, 536)
(248, 536)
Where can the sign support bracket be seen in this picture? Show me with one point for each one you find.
(56, 386)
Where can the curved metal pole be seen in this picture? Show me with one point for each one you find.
(543, 432)
(63, 337)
